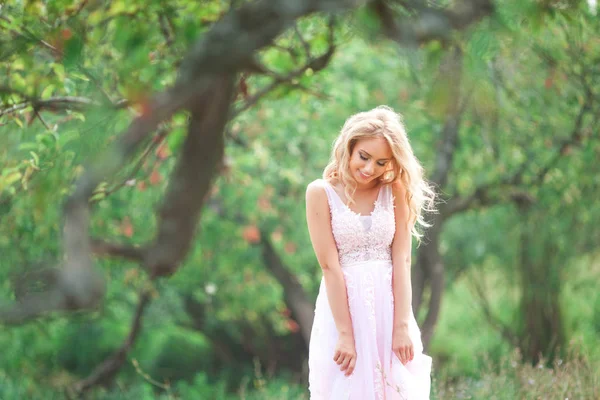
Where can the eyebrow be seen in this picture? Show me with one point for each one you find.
(367, 153)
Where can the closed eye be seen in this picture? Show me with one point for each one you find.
(365, 158)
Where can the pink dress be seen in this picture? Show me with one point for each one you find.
(364, 247)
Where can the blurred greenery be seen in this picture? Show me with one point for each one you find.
(221, 327)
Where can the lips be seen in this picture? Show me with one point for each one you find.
(364, 176)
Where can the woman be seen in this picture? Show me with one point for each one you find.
(365, 342)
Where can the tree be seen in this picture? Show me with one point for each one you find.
(204, 88)
(522, 150)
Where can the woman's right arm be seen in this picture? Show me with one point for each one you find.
(321, 236)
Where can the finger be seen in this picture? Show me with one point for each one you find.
(336, 356)
(398, 355)
(346, 363)
(403, 355)
(412, 353)
(350, 369)
(345, 359)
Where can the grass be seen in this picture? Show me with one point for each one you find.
(512, 379)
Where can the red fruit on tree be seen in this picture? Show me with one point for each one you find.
(264, 204)
(162, 151)
(290, 248)
(293, 325)
(66, 34)
(286, 312)
(127, 227)
(251, 234)
(155, 177)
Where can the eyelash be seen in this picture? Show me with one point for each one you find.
(365, 159)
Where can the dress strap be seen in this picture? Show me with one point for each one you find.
(387, 196)
(334, 199)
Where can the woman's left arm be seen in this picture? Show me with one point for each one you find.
(401, 281)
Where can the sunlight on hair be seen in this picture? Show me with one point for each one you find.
(383, 122)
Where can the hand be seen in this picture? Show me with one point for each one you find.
(402, 345)
(345, 353)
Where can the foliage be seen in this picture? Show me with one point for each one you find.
(513, 379)
(523, 77)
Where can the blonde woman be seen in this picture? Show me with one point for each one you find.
(365, 342)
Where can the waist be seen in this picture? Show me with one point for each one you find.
(363, 263)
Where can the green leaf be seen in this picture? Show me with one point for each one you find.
(59, 70)
(28, 146)
(97, 197)
(176, 138)
(47, 92)
(36, 158)
(9, 179)
(73, 51)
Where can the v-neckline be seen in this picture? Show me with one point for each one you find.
(351, 210)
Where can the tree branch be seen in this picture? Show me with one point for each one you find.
(429, 23)
(484, 195)
(156, 141)
(9, 90)
(210, 65)
(165, 28)
(39, 116)
(106, 249)
(507, 333)
(190, 182)
(304, 43)
(33, 306)
(59, 103)
(294, 294)
(451, 72)
(13, 109)
(78, 285)
(315, 64)
(107, 370)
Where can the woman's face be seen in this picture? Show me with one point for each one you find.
(370, 158)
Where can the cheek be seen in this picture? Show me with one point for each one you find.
(381, 171)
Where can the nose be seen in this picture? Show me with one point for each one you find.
(368, 168)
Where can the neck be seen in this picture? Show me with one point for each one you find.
(359, 187)
(368, 186)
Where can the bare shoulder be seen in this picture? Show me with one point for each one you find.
(316, 186)
(401, 206)
(398, 190)
(317, 203)
(315, 192)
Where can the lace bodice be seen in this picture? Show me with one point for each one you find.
(356, 239)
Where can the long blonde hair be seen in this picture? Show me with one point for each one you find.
(383, 122)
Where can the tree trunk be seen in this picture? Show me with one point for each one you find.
(431, 265)
(419, 279)
(260, 344)
(295, 297)
(429, 271)
(543, 332)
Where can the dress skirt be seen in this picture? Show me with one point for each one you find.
(379, 374)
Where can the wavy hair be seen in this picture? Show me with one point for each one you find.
(383, 122)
